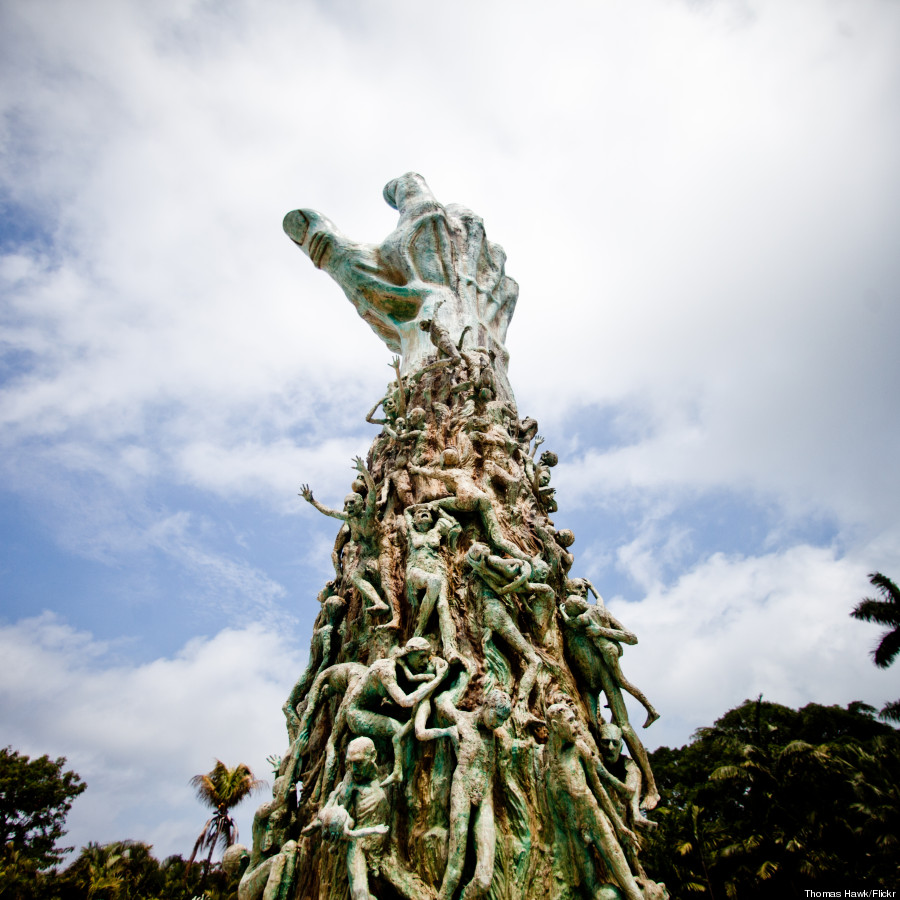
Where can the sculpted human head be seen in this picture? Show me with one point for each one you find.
(417, 651)
(334, 608)
(235, 859)
(576, 586)
(423, 519)
(562, 721)
(354, 505)
(497, 709)
(362, 758)
(575, 605)
(610, 743)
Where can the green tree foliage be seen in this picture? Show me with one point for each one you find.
(221, 789)
(127, 870)
(35, 796)
(771, 801)
(884, 611)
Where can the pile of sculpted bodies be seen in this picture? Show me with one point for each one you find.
(459, 728)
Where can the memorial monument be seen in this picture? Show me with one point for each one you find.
(447, 738)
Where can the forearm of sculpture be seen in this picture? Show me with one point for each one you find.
(334, 513)
(421, 692)
(360, 467)
(612, 634)
(621, 629)
(401, 393)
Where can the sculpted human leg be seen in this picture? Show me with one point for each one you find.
(485, 846)
(611, 658)
(460, 811)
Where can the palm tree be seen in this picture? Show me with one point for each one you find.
(221, 790)
(885, 611)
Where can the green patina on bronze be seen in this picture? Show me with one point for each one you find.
(446, 737)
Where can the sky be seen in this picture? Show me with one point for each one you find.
(701, 204)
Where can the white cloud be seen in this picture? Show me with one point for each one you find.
(137, 733)
(735, 627)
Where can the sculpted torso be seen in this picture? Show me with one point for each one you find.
(476, 757)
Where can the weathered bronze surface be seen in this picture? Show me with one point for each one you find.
(446, 737)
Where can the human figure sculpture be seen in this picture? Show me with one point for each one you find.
(324, 646)
(426, 529)
(356, 813)
(389, 404)
(362, 536)
(272, 864)
(339, 679)
(591, 664)
(440, 336)
(473, 735)
(627, 772)
(380, 684)
(556, 545)
(607, 634)
(467, 496)
(398, 479)
(415, 437)
(583, 809)
(336, 679)
(499, 580)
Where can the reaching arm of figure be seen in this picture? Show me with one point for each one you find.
(401, 393)
(360, 466)
(370, 415)
(620, 636)
(631, 637)
(307, 494)
(397, 694)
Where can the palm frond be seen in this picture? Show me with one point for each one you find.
(888, 648)
(889, 590)
(877, 611)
